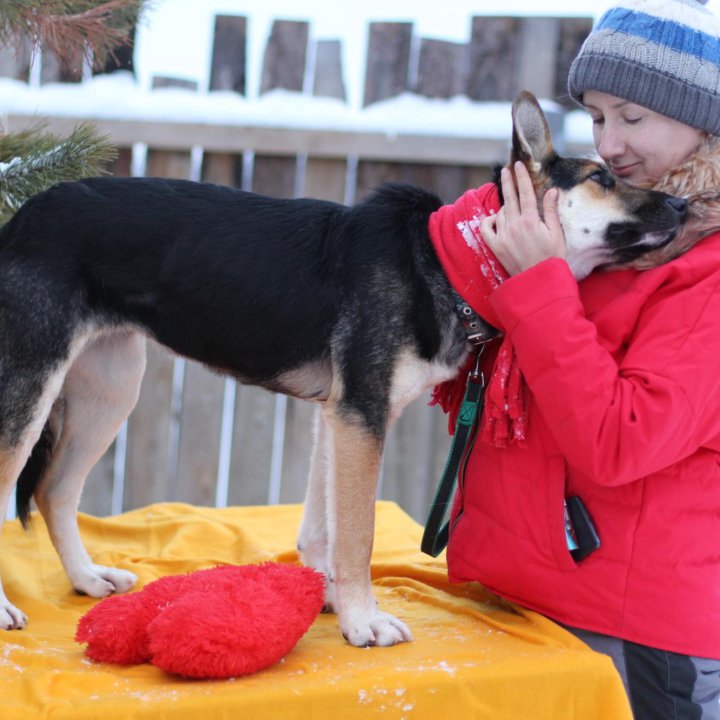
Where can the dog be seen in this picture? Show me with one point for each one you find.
(347, 307)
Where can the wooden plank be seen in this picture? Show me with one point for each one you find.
(15, 61)
(274, 175)
(162, 81)
(222, 169)
(494, 58)
(297, 450)
(388, 59)
(328, 80)
(146, 464)
(253, 412)
(121, 166)
(53, 70)
(199, 415)
(448, 182)
(167, 164)
(325, 179)
(151, 425)
(573, 32)
(409, 461)
(442, 68)
(285, 56)
(97, 495)
(400, 147)
(200, 420)
(538, 42)
(228, 66)
(251, 446)
(277, 176)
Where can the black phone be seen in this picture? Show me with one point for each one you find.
(583, 529)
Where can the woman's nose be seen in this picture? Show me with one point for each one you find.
(609, 143)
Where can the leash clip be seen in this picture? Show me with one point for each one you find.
(476, 373)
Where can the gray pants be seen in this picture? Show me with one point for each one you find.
(661, 684)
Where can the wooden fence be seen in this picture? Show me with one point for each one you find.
(197, 437)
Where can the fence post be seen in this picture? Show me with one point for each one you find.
(285, 56)
(328, 81)
(15, 60)
(573, 32)
(388, 60)
(442, 69)
(493, 58)
(228, 57)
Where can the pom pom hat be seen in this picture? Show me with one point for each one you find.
(661, 54)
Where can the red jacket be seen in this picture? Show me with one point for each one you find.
(623, 371)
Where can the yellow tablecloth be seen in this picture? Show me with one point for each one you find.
(473, 655)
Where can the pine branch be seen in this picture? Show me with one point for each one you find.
(33, 160)
(71, 29)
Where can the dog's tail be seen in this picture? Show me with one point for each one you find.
(32, 473)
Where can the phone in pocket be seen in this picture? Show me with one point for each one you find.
(582, 536)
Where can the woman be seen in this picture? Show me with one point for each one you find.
(623, 373)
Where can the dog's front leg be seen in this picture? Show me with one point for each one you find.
(313, 539)
(351, 522)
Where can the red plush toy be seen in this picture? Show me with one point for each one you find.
(219, 623)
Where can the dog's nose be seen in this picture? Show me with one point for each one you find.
(679, 205)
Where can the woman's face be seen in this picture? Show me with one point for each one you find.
(638, 145)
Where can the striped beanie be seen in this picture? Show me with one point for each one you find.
(661, 54)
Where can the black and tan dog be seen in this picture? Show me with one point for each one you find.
(344, 306)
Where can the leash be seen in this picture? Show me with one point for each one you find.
(436, 534)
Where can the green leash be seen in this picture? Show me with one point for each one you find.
(436, 534)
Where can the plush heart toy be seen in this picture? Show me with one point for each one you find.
(219, 623)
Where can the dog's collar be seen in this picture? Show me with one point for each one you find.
(477, 330)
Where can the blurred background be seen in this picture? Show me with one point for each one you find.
(320, 99)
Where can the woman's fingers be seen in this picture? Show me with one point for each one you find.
(510, 199)
(526, 191)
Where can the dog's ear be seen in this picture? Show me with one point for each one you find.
(531, 141)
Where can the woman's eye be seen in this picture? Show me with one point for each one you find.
(632, 120)
(598, 120)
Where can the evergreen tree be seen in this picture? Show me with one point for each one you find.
(75, 31)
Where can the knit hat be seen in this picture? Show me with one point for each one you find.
(661, 54)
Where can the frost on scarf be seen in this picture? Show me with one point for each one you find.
(474, 272)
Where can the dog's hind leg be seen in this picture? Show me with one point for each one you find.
(100, 390)
(313, 538)
(356, 464)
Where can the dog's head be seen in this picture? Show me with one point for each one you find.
(605, 220)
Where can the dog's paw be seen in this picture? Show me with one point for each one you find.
(10, 617)
(100, 581)
(372, 628)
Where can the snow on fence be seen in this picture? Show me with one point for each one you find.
(197, 437)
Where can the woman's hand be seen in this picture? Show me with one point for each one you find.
(516, 234)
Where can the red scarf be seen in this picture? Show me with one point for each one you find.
(474, 272)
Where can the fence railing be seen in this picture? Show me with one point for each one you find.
(197, 437)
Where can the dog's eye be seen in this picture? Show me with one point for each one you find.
(601, 177)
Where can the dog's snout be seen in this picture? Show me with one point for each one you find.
(678, 205)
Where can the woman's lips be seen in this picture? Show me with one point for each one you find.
(623, 170)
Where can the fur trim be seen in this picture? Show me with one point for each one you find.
(697, 180)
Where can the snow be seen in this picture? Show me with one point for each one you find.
(118, 97)
(174, 39)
